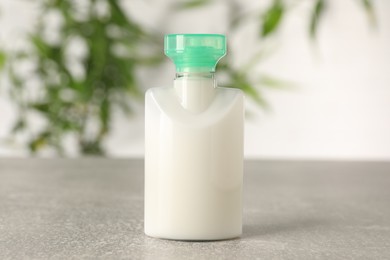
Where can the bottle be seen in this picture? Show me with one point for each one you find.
(194, 147)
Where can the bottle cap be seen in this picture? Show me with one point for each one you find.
(195, 52)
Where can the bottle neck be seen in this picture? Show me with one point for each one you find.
(195, 90)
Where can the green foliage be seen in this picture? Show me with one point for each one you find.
(318, 10)
(272, 18)
(241, 80)
(81, 102)
(271, 82)
(2, 60)
(369, 8)
(70, 103)
(181, 5)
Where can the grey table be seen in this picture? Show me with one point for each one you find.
(93, 208)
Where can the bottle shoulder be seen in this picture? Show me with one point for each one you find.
(165, 101)
(220, 91)
(169, 95)
(236, 91)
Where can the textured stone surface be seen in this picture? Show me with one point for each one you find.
(89, 208)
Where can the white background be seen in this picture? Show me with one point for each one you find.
(339, 109)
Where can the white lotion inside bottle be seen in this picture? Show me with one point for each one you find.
(194, 148)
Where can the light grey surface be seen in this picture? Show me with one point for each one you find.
(89, 208)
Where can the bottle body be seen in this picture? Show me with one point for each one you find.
(193, 161)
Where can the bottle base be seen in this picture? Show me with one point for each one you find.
(190, 238)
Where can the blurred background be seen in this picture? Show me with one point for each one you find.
(316, 74)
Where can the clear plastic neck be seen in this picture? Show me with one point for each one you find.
(195, 90)
(195, 74)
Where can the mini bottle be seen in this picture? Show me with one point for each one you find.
(194, 147)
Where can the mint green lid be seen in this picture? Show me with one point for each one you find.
(195, 52)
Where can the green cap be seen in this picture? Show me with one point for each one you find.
(195, 52)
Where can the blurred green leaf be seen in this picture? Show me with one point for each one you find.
(191, 4)
(20, 55)
(242, 82)
(255, 95)
(150, 61)
(39, 44)
(42, 107)
(317, 13)
(271, 18)
(368, 6)
(16, 80)
(236, 16)
(40, 141)
(19, 125)
(2, 59)
(121, 19)
(91, 148)
(275, 83)
(105, 116)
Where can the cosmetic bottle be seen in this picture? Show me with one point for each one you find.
(194, 146)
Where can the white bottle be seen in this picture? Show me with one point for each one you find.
(194, 147)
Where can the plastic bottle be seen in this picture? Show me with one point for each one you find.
(194, 147)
